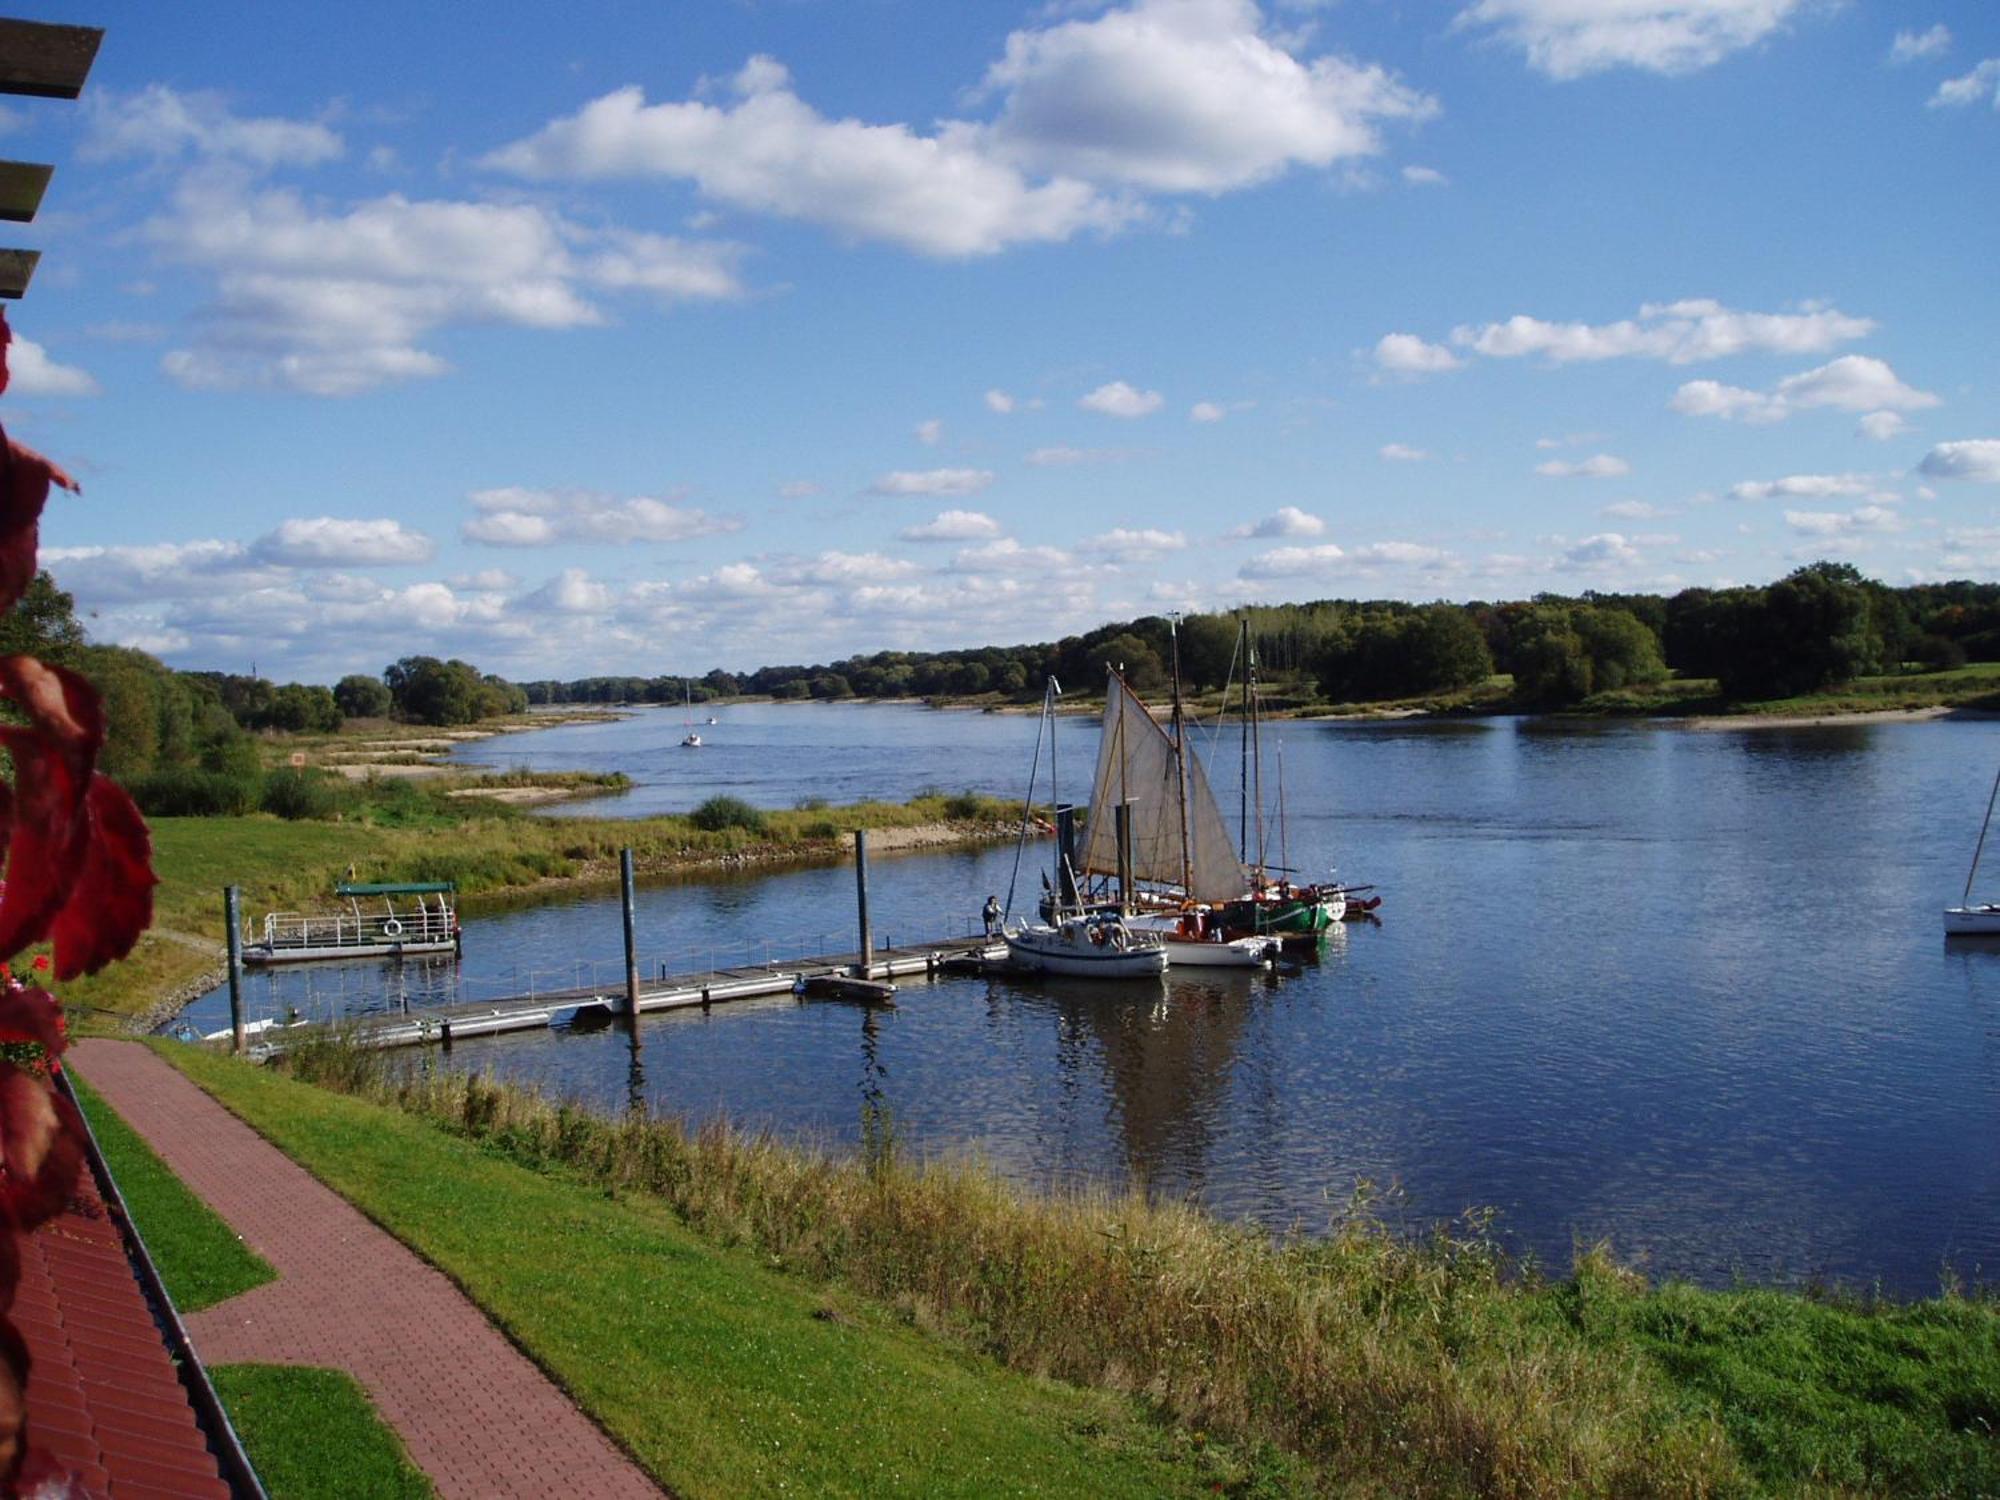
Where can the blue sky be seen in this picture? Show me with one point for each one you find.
(653, 338)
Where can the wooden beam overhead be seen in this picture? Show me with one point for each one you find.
(46, 60)
(17, 268)
(22, 184)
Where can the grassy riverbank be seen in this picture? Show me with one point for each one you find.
(1355, 1363)
(413, 831)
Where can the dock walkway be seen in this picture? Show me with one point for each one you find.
(598, 1004)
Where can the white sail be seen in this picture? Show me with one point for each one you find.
(1137, 764)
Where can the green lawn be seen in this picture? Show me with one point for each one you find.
(723, 1377)
(312, 1435)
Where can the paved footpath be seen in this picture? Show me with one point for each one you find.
(475, 1414)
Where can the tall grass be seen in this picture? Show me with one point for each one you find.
(1395, 1366)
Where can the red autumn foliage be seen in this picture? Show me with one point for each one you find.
(78, 863)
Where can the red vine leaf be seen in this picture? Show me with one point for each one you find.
(40, 1148)
(111, 902)
(25, 477)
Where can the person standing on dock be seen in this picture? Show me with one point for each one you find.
(991, 912)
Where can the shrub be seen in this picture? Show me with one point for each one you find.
(965, 807)
(299, 794)
(189, 792)
(718, 813)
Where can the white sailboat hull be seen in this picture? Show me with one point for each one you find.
(1072, 949)
(1186, 952)
(1971, 920)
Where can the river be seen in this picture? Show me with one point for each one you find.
(1685, 991)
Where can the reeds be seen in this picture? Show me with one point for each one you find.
(1396, 1366)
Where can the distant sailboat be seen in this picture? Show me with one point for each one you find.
(691, 740)
(1965, 919)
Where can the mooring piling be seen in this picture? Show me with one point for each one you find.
(233, 918)
(631, 942)
(861, 896)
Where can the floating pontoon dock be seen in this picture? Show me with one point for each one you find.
(380, 929)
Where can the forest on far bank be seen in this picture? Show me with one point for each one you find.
(1818, 627)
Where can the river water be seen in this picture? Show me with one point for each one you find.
(1681, 990)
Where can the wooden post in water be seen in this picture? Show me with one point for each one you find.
(631, 944)
(233, 917)
(861, 897)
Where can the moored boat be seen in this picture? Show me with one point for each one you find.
(1967, 919)
(1194, 940)
(1088, 945)
(382, 928)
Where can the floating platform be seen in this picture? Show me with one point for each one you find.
(428, 926)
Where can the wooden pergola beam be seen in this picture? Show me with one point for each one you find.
(22, 184)
(17, 268)
(46, 60)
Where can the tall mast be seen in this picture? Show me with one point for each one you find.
(1256, 758)
(1243, 772)
(1180, 758)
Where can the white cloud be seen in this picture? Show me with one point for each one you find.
(1396, 554)
(1865, 518)
(1287, 520)
(1425, 177)
(1121, 545)
(1678, 332)
(1063, 456)
(518, 517)
(165, 123)
(334, 303)
(942, 194)
(1206, 411)
(1804, 487)
(931, 432)
(1911, 45)
(953, 526)
(1854, 382)
(1292, 562)
(1882, 426)
(331, 541)
(1117, 399)
(1976, 459)
(933, 482)
(1983, 82)
(1184, 96)
(1632, 510)
(1597, 466)
(159, 570)
(570, 592)
(1161, 96)
(999, 401)
(1008, 556)
(1572, 38)
(1406, 354)
(1402, 453)
(1605, 550)
(31, 372)
(798, 489)
(844, 568)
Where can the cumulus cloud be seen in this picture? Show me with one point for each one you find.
(1632, 510)
(798, 489)
(1007, 555)
(1402, 453)
(1854, 382)
(165, 123)
(930, 433)
(151, 571)
(1983, 82)
(1184, 96)
(1608, 549)
(1063, 456)
(1882, 425)
(1865, 518)
(331, 541)
(1912, 45)
(1573, 38)
(1679, 333)
(1118, 399)
(1597, 466)
(334, 303)
(1091, 115)
(932, 482)
(953, 526)
(999, 401)
(1206, 411)
(1976, 459)
(32, 373)
(570, 592)
(519, 517)
(1407, 355)
(1425, 177)
(1292, 562)
(1123, 545)
(1326, 558)
(1287, 520)
(1804, 487)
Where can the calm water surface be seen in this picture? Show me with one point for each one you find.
(1682, 990)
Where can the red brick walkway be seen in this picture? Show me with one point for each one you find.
(475, 1414)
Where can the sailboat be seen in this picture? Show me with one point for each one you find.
(692, 739)
(1070, 939)
(1155, 829)
(1965, 919)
